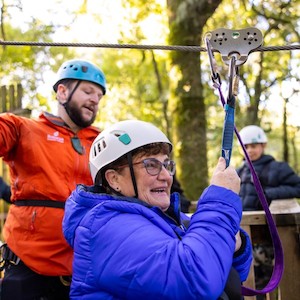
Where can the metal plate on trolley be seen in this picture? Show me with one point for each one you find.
(235, 42)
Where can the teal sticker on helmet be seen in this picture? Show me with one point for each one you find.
(125, 139)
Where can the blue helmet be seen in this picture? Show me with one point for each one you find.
(80, 70)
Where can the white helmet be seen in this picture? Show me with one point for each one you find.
(253, 134)
(121, 138)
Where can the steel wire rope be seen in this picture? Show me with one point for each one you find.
(140, 47)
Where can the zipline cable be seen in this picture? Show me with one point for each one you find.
(140, 47)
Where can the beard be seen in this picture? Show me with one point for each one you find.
(75, 115)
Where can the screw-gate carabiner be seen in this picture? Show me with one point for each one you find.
(212, 63)
(233, 77)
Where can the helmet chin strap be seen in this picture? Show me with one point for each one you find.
(129, 158)
(65, 105)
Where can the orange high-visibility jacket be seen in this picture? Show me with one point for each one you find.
(43, 166)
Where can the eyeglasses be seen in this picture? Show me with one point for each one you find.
(153, 166)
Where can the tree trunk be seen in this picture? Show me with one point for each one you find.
(285, 137)
(186, 20)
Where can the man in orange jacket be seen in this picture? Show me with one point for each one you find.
(47, 158)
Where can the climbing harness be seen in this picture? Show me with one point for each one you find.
(235, 47)
(7, 257)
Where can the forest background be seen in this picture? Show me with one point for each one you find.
(170, 88)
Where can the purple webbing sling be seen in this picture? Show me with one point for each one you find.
(277, 246)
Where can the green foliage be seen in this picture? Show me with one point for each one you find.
(28, 64)
(133, 84)
(133, 87)
(173, 89)
(138, 80)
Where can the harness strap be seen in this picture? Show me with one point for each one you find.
(277, 246)
(8, 257)
(65, 280)
(40, 203)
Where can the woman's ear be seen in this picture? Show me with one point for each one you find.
(112, 178)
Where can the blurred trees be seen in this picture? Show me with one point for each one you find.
(27, 64)
(173, 89)
(165, 88)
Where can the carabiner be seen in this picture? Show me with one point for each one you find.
(216, 79)
(233, 77)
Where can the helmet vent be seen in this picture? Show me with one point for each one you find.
(100, 146)
(73, 67)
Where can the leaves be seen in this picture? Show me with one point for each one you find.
(172, 89)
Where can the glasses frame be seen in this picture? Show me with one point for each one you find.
(157, 171)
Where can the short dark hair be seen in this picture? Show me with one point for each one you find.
(67, 82)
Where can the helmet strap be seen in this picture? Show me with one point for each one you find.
(65, 105)
(129, 158)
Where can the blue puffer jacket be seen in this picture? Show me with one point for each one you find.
(125, 249)
(4, 191)
(278, 181)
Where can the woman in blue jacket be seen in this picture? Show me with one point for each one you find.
(127, 230)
